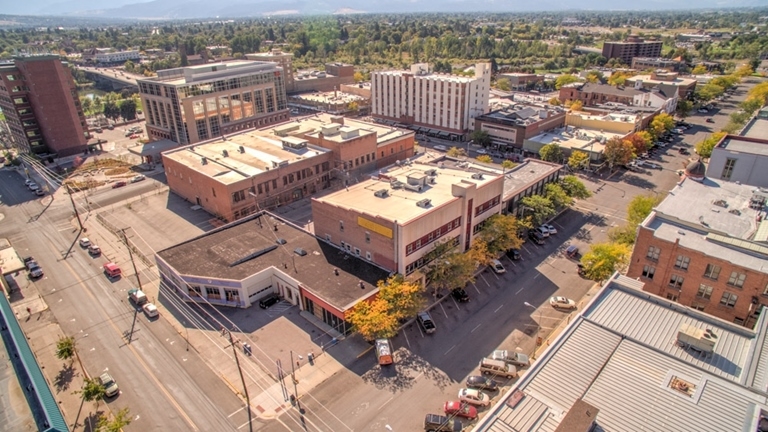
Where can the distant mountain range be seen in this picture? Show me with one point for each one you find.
(192, 9)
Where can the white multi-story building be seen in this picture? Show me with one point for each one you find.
(438, 103)
(117, 56)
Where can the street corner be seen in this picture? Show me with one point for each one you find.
(46, 200)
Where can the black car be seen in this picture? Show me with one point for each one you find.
(709, 120)
(536, 237)
(482, 383)
(513, 254)
(438, 423)
(460, 295)
(269, 301)
(425, 321)
(683, 151)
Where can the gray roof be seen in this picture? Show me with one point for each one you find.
(756, 128)
(737, 144)
(621, 354)
(217, 254)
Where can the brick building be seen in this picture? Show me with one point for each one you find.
(511, 126)
(39, 99)
(592, 94)
(668, 82)
(697, 248)
(395, 218)
(633, 46)
(655, 63)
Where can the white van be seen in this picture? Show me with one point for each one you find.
(497, 368)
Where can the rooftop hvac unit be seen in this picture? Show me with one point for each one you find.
(382, 193)
(696, 338)
(410, 187)
(204, 161)
(396, 184)
(432, 180)
(224, 153)
(425, 203)
(431, 172)
(477, 176)
(241, 149)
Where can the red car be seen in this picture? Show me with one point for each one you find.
(134, 136)
(459, 409)
(116, 185)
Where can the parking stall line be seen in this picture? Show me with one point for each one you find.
(476, 327)
(455, 303)
(497, 309)
(518, 291)
(441, 307)
(476, 288)
(419, 328)
(449, 350)
(484, 279)
(406, 339)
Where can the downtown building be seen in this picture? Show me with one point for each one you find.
(39, 100)
(633, 46)
(197, 103)
(437, 104)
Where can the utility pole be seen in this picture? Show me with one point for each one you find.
(79, 222)
(130, 253)
(242, 379)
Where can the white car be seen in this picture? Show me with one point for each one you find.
(138, 178)
(703, 111)
(652, 165)
(85, 242)
(33, 187)
(150, 310)
(497, 267)
(440, 147)
(474, 397)
(482, 151)
(29, 182)
(550, 228)
(562, 303)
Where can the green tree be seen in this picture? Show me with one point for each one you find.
(623, 234)
(618, 152)
(551, 153)
(699, 70)
(684, 108)
(116, 424)
(603, 259)
(662, 124)
(709, 91)
(456, 152)
(373, 319)
(358, 77)
(481, 137)
(640, 207)
(503, 84)
(499, 233)
(451, 270)
(574, 187)
(744, 70)
(128, 109)
(557, 195)
(555, 101)
(87, 104)
(111, 110)
(403, 297)
(507, 164)
(578, 160)
(705, 147)
(537, 209)
(92, 390)
(565, 80)
(595, 77)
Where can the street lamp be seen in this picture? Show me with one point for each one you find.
(538, 327)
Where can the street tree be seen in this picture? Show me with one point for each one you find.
(638, 143)
(537, 209)
(454, 269)
(373, 319)
(705, 147)
(577, 105)
(618, 152)
(92, 390)
(557, 195)
(551, 153)
(481, 137)
(699, 70)
(120, 420)
(508, 164)
(662, 123)
(565, 80)
(485, 159)
(684, 108)
(603, 259)
(574, 187)
(503, 84)
(480, 253)
(744, 70)
(640, 207)
(499, 233)
(128, 109)
(66, 349)
(456, 152)
(578, 160)
(403, 297)
(709, 91)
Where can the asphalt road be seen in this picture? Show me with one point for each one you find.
(165, 387)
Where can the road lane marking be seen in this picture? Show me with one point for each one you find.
(477, 327)
(241, 408)
(497, 309)
(537, 275)
(449, 350)
(386, 402)
(518, 291)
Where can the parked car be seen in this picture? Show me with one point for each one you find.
(536, 237)
(683, 151)
(459, 409)
(497, 267)
(543, 231)
(474, 397)
(562, 303)
(269, 301)
(138, 178)
(133, 136)
(460, 295)
(550, 228)
(109, 384)
(35, 271)
(709, 120)
(39, 192)
(94, 250)
(482, 383)
(703, 110)
(425, 321)
(440, 147)
(438, 423)
(33, 187)
(84, 242)
(652, 165)
(150, 310)
(116, 185)
(511, 357)
(29, 182)
(481, 151)
(634, 167)
(128, 133)
(514, 254)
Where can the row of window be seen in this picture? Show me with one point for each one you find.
(484, 207)
(712, 271)
(432, 236)
(426, 259)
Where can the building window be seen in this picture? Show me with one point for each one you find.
(653, 253)
(712, 271)
(728, 169)
(367, 237)
(671, 296)
(357, 251)
(676, 281)
(705, 291)
(368, 255)
(341, 226)
(728, 299)
(328, 237)
(212, 293)
(648, 271)
(682, 262)
(698, 306)
(737, 279)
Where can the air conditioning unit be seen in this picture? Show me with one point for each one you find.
(241, 149)
(204, 161)
(225, 153)
(477, 176)
(382, 193)
(410, 187)
(425, 203)
(696, 338)
(431, 172)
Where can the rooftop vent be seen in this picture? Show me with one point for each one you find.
(477, 176)
(431, 172)
(241, 149)
(382, 193)
(425, 203)
(362, 284)
(735, 212)
(203, 161)
(224, 153)
(721, 203)
(396, 184)
(415, 188)
(300, 251)
(281, 241)
(697, 339)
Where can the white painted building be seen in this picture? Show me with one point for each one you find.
(447, 103)
(117, 56)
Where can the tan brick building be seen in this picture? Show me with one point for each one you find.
(696, 249)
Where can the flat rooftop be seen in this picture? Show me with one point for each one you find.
(400, 203)
(712, 205)
(576, 138)
(210, 72)
(429, 76)
(261, 151)
(212, 255)
(677, 81)
(329, 97)
(736, 144)
(621, 355)
(756, 128)
(613, 117)
(312, 125)
(518, 114)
